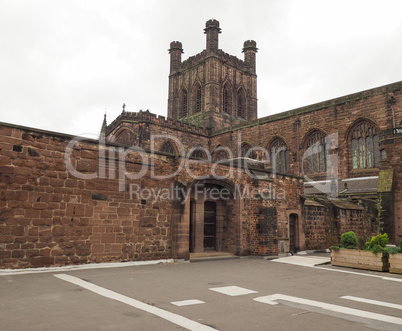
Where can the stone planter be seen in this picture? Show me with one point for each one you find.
(353, 258)
(395, 263)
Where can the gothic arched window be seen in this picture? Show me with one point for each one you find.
(221, 153)
(279, 156)
(227, 98)
(241, 103)
(197, 98)
(124, 137)
(183, 104)
(198, 153)
(247, 151)
(365, 147)
(167, 147)
(317, 153)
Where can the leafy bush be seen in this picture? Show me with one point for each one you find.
(380, 239)
(378, 249)
(334, 248)
(400, 245)
(349, 240)
(394, 250)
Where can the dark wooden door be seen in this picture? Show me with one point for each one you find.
(210, 225)
(292, 233)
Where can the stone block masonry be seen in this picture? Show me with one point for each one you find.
(50, 216)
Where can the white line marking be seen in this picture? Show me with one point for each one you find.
(303, 260)
(232, 290)
(271, 300)
(394, 279)
(171, 317)
(361, 274)
(12, 272)
(373, 302)
(187, 302)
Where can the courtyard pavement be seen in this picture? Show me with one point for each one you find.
(290, 293)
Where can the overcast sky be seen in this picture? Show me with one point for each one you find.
(62, 63)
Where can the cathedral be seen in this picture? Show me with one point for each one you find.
(211, 176)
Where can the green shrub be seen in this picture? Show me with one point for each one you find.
(381, 240)
(394, 250)
(379, 249)
(334, 248)
(349, 240)
(400, 245)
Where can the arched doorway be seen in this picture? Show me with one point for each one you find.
(209, 218)
(293, 235)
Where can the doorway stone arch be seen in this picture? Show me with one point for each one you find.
(295, 231)
(210, 218)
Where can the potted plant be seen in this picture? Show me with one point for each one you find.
(395, 259)
(373, 257)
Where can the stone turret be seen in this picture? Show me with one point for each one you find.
(250, 49)
(212, 31)
(175, 52)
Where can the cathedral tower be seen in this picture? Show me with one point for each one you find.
(213, 89)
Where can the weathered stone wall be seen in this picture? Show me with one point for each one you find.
(324, 224)
(391, 188)
(52, 216)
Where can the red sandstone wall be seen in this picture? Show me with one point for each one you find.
(333, 116)
(324, 225)
(48, 216)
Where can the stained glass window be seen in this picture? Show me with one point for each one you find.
(365, 146)
(279, 156)
(227, 99)
(241, 103)
(246, 151)
(167, 148)
(317, 153)
(199, 153)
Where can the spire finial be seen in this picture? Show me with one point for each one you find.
(124, 108)
(102, 135)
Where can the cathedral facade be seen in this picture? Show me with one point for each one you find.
(212, 176)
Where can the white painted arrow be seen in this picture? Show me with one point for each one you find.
(271, 300)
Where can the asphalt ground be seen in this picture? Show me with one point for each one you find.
(140, 298)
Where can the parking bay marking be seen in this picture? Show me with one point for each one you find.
(373, 302)
(232, 290)
(171, 317)
(187, 302)
(271, 300)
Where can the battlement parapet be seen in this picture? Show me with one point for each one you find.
(151, 118)
(199, 58)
